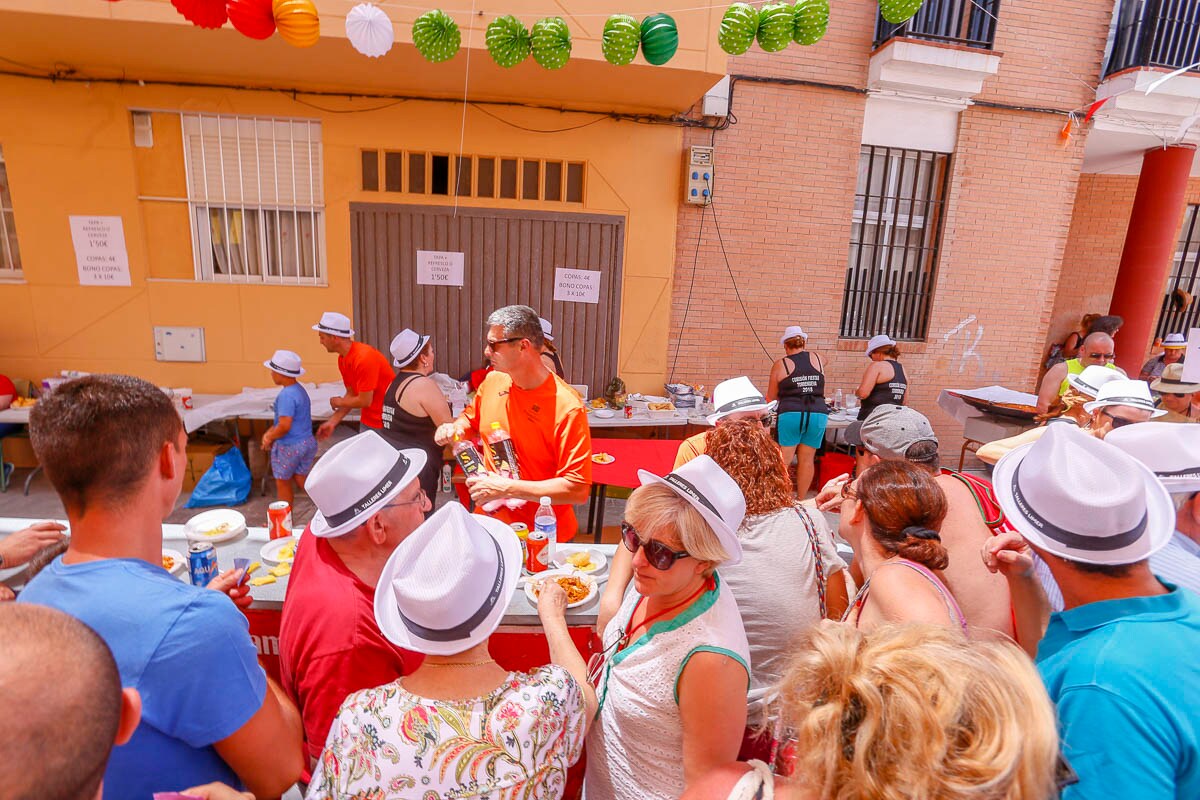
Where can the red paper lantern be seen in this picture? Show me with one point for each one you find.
(202, 13)
(253, 18)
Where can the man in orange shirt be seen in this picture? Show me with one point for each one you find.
(544, 416)
(365, 371)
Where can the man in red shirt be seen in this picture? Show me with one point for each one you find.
(365, 371)
(544, 416)
(369, 500)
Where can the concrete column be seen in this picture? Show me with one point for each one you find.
(1149, 249)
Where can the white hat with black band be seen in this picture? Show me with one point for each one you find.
(1082, 499)
(285, 362)
(737, 394)
(547, 328)
(1091, 379)
(334, 324)
(1172, 452)
(1125, 392)
(1175, 341)
(358, 477)
(446, 587)
(714, 494)
(407, 345)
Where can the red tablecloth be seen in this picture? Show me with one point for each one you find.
(653, 455)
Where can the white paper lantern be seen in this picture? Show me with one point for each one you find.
(369, 30)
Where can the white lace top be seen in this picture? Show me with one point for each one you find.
(635, 746)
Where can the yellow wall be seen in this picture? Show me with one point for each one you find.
(69, 150)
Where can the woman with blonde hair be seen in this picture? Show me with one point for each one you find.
(906, 711)
(672, 675)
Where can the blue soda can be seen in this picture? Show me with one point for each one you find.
(202, 563)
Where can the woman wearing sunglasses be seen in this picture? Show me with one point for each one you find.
(673, 673)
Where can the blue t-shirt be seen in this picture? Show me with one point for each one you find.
(187, 651)
(1125, 675)
(293, 402)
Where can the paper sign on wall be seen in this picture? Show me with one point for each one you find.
(576, 285)
(1191, 357)
(439, 268)
(100, 253)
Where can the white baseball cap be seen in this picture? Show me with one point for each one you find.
(547, 329)
(878, 341)
(285, 362)
(446, 587)
(1125, 392)
(358, 477)
(1172, 452)
(714, 494)
(791, 332)
(407, 345)
(737, 394)
(334, 324)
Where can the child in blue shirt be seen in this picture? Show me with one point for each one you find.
(290, 440)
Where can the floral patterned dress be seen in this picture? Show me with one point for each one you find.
(516, 743)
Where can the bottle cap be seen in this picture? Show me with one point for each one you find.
(545, 501)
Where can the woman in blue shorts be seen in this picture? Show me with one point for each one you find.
(798, 383)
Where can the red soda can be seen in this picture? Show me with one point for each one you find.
(279, 519)
(535, 545)
(202, 563)
(628, 412)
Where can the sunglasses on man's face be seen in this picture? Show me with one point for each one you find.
(1119, 422)
(658, 554)
(1102, 356)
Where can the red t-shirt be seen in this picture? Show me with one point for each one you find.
(365, 369)
(550, 431)
(6, 386)
(329, 643)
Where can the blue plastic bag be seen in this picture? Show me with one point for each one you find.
(226, 483)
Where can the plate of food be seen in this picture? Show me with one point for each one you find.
(603, 458)
(218, 525)
(173, 561)
(279, 551)
(579, 588)
(599, 402)
(587, 560)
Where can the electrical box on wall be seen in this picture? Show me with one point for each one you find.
(699, 176)
(179, 344)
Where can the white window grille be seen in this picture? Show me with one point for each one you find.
(10, 254)
(256, 197)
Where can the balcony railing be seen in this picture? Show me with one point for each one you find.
(1155, 33)
(963, 22)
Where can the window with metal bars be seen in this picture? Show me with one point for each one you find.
(1180, 312)
(256, 197)
(899, 204)
(10, 254)
(475, 176)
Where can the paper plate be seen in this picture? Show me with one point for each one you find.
(603, 458)
(604, 413)
(599, 562)
(179, 558)
(270, 550)
(593, 585)
(218, 525)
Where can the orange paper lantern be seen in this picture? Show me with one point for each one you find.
(253, 18)
(297, 22)
(202, 13)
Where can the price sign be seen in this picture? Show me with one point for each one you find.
(1191, 357)
(100, 253)
(439, 268)
(576, 285)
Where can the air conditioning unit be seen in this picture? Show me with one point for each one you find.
(699, 175)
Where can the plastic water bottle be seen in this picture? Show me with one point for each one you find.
(546, 522)
(838, 399)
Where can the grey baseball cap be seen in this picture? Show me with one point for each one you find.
(890, 430)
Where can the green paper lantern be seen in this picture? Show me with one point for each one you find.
(621, 39)
(897, 11)
(508, 41)
(660, 38)
(775, 25)
(551, 42)
(811, 21)
(436, 36)
(738, 28)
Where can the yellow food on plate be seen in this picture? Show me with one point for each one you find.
(660, 407)
(576, 588)
(602, 458)
(168, 562)
(217, 530)
(281, 570)
(287, 552)
(599, 402)
(263, 581)
(581, 560)
(24, 402)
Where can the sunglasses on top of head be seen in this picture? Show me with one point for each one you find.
(658, 554)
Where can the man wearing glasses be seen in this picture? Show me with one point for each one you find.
(544, 416)
(1097, 349)
(369, 499)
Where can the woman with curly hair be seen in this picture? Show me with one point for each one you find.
(905, 711)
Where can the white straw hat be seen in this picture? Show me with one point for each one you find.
(547, 328)
(285, 362)
(356, 479)
(1125, 392)
(334, 324)
(735, 395)
(1082, 499)
(1175, 340)
(1091, 379)
(407, 345)
(791, 332)
(1171, 452)
(446, 587)
(878, 341)
(714, 494)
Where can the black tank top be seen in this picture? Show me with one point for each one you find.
(404, 427)
(804, 387)
(891, 392)
(558, 367)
